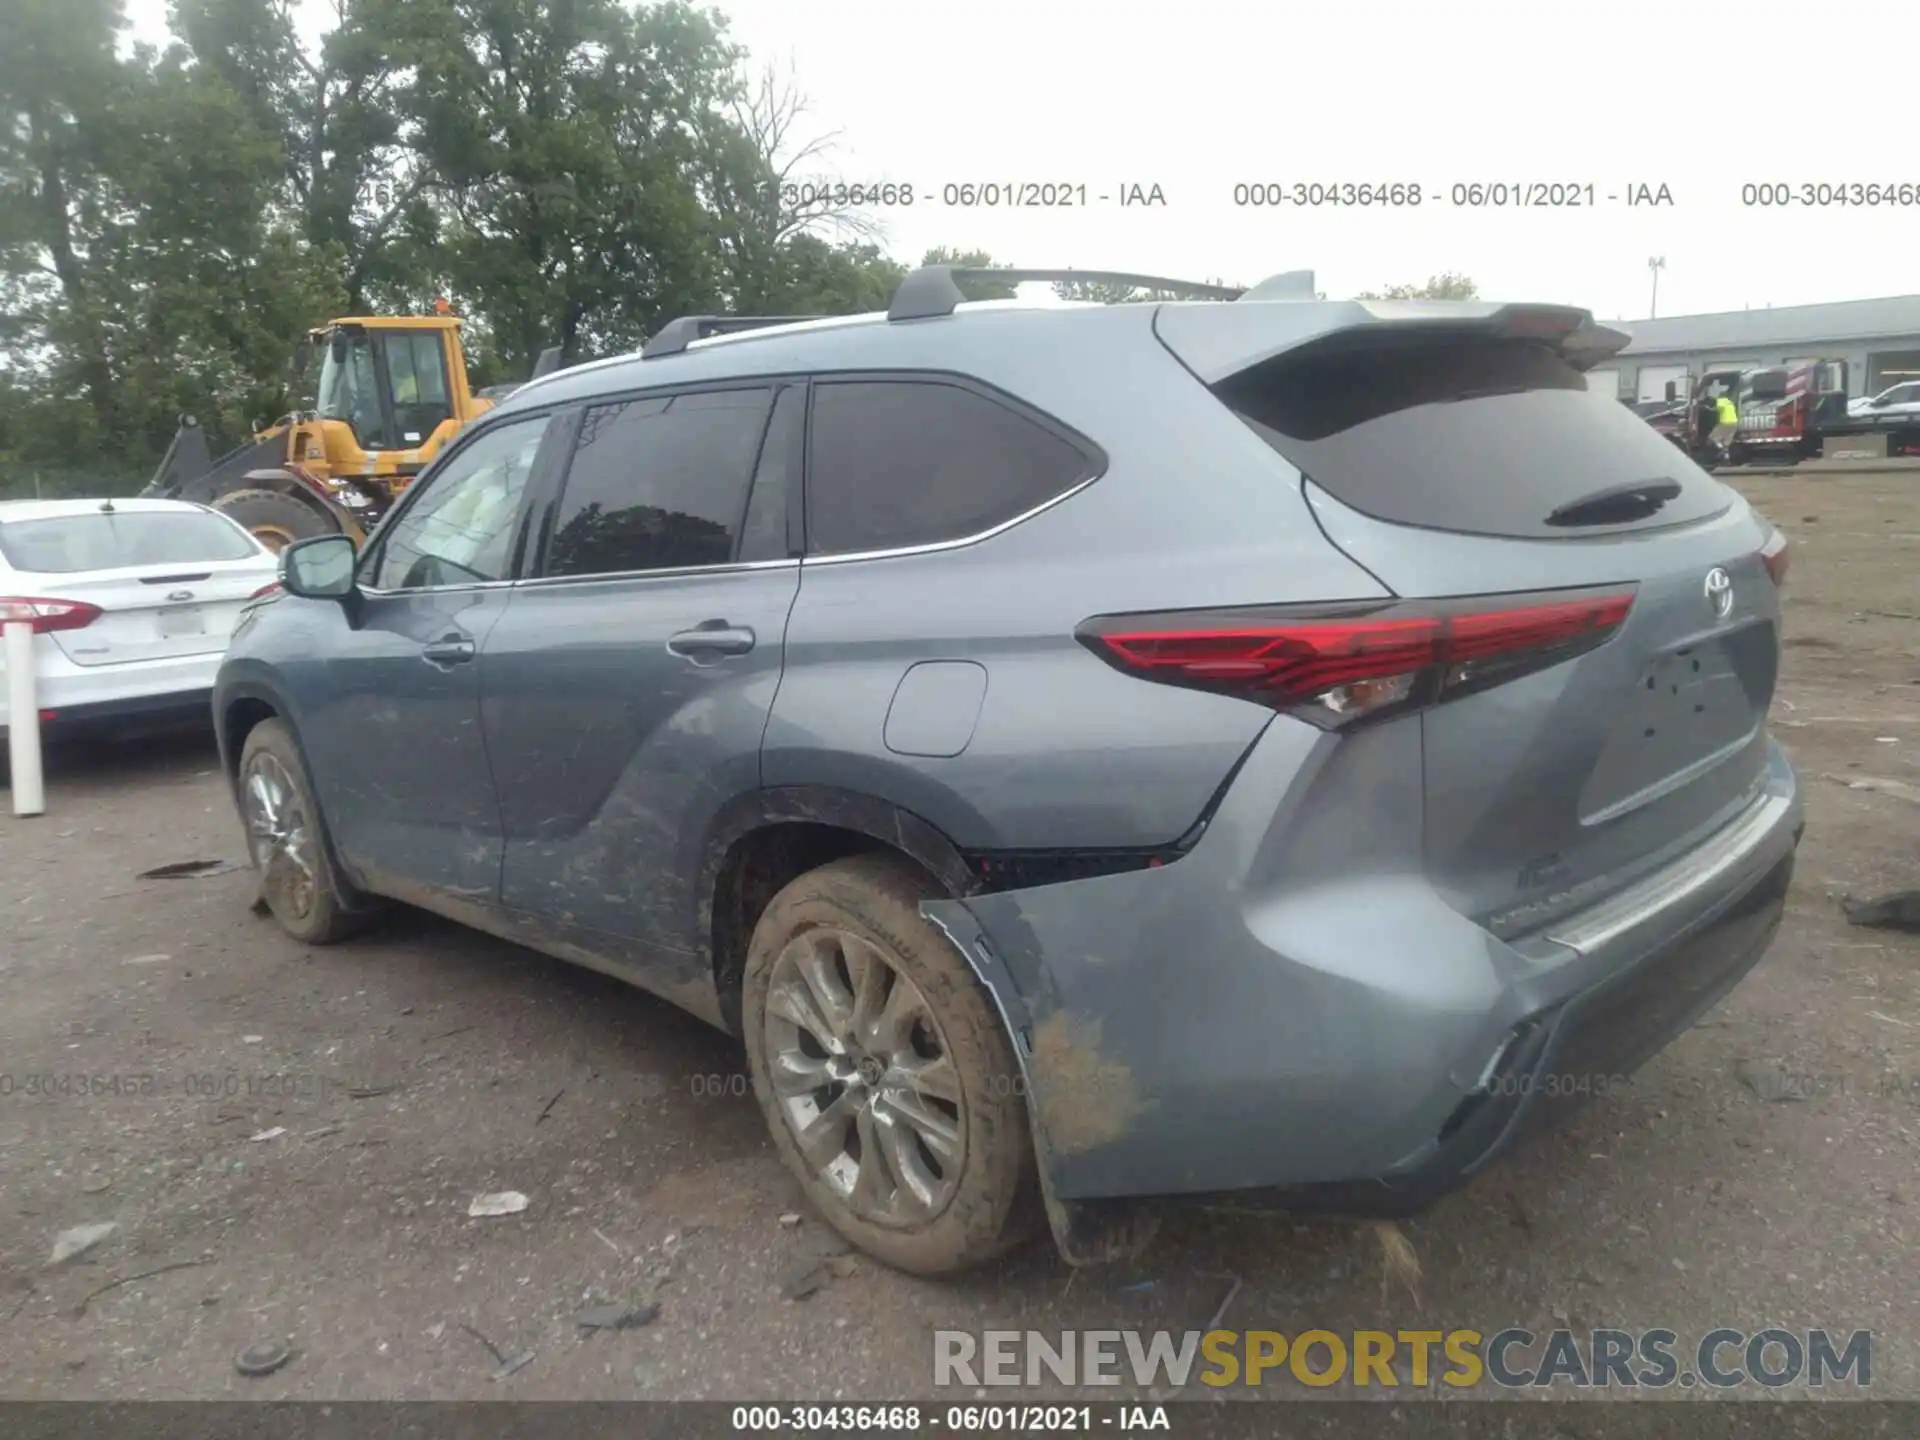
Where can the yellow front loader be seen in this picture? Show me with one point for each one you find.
(393, 391)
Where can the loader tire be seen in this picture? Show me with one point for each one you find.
(276, 520)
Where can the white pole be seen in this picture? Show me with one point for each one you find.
(23, 723)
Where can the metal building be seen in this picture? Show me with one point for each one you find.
(1879, 340)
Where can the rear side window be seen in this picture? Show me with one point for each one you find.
(66, 544)
(1482, 437)
(659, 483)
(899, 463)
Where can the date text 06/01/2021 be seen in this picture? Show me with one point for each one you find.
(955, 1419)
(1009, 193)
(1459, 194)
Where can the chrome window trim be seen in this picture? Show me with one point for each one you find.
(937, 546)
(670, 572)
(372, 593)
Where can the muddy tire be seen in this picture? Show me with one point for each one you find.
(286, 839)
(884, 1071)
(276, 520)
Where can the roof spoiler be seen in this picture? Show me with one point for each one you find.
(1215, 342)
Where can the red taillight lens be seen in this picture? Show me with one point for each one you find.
(1775, 555)
(1335, 668)
(47, 615)
(271, 588)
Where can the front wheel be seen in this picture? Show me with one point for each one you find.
(884, 1072)
(286, 839)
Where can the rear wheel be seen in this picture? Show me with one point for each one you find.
(276, 519)
(884, 1072)
(286, 839)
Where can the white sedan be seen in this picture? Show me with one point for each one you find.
(131, 603)
(1902, 399)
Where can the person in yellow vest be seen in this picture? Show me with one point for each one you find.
(1726, 423)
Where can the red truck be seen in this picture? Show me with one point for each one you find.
(1784, 412)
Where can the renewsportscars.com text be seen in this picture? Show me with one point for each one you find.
(1509, 1359)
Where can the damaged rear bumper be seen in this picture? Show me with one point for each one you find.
(1211, 1032)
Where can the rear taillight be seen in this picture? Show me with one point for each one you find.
(47, 615)
(1334, 666)
(1775, 555)
(271, 588)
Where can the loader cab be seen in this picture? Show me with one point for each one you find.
(396, 385)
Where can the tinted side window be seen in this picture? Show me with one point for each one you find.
(896, 463)
(460, 531)
(765, 535)
(658, 483)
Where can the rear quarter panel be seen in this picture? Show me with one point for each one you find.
(1066, 751)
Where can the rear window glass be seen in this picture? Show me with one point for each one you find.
(64, 544)
(1487, 438)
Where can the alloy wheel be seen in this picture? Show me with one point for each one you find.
(863, 1076)
(280, 837)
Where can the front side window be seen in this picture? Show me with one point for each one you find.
(658, 483)
(460, 530)
(350, 389)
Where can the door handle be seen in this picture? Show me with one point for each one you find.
(714, 637)
(448, 650)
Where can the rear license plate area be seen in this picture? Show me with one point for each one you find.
(174, 621)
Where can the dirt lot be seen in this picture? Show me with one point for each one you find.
(401, 1075)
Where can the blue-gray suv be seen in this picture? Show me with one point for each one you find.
(1248, 750)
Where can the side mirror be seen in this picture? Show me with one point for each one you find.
(318, 568)
(337, 347)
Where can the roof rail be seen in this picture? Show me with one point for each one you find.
(676, 335)
(934, 289)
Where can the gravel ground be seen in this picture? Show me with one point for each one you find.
(299, 1131)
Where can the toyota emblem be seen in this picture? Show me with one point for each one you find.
(1719, 590)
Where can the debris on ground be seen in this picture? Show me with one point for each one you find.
(509, 1364)
(94, 1294)
(1518, 1213)
(790, 1219)
(77, 1241)
(274, 1134)
(617, 1316)
(157, 958)
(503, 1202)
(187, 870)
(1897, 911)
(514, 1366)
(1769, 1082)
(263, 1358)
(1899, 789)
(96, 1185)
(1400, 1261)
(1220, 1310)
(804, 1280)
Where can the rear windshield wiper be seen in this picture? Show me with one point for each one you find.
(1617, 504)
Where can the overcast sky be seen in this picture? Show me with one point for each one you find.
(1199, 96)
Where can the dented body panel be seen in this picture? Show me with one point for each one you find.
(1292, 1004)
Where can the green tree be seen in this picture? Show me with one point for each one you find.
(565, 138)
(146, 269)
(351, 178)
(1439, 287)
